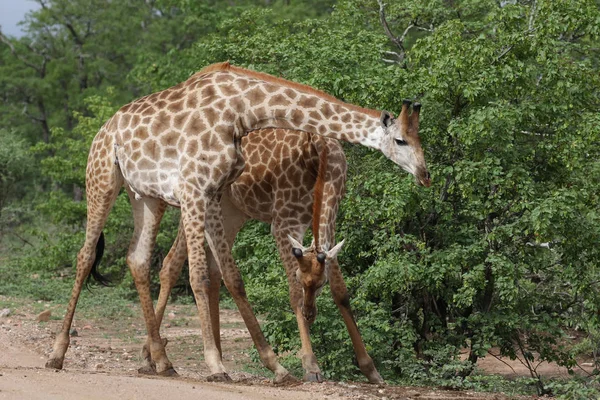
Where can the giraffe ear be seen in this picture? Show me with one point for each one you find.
(386, 119)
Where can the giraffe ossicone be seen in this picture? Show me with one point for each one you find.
(180, 146)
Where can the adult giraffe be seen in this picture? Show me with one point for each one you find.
(276, 187)
(181, 146)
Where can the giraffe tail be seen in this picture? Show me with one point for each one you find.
(98, 277)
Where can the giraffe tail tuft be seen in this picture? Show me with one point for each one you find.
(98, 277)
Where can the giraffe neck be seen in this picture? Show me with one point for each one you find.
(312, 114)
(261, 101)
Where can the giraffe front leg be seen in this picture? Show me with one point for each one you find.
(169, 273)
(193, 213)
(341, 299)
(235, 285)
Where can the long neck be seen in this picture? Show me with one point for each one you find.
(312, 114)
(283, 104)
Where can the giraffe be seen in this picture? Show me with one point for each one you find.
(276, 187)
(181, 147)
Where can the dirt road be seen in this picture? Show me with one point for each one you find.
(103, 359)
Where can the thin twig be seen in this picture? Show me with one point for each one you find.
(532, 15)
(386, 27)
(14, 52)
(497, 357)
(22, 239)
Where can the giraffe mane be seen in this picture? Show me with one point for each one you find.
(226, 66)
(318, 195)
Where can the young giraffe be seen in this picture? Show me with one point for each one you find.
(181, 146)
(276, 187)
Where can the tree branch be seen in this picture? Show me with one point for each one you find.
(22, 238)
(532, 15)
(386, 27)
(14, 52)
(499, 358)
(399, 42)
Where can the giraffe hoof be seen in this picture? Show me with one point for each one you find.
(54, 363)
(147, 370)
(220, 377)
(287, 379)
(169, 372)
(376, 379)
(313, 377)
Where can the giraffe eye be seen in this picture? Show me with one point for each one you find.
(401, 142)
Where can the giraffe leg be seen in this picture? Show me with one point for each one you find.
(214, 274)
(147, 214)
(235, 285)
(170, 271)
(193, 210)
(312, 372)
(234, 219)
(101, 194)
(341, 298)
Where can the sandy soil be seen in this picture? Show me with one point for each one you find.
(103, 359)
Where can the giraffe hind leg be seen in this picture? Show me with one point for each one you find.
(147, 213)
(102, 189)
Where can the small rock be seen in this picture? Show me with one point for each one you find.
(167, 325)
(171, 315)
(99, 366)
(35, 276)
(44, 316)
(74, 332)
(5, 312)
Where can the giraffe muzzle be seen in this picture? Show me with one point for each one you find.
(423, 177)
(309, 313)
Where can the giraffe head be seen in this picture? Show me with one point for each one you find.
(400, 142)
(312, 273)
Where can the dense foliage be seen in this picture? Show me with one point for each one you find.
(502, 252)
